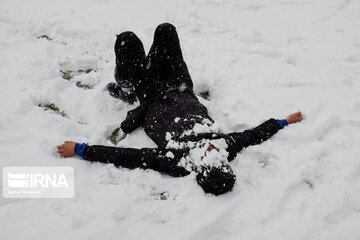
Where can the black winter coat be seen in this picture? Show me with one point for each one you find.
(174, 113)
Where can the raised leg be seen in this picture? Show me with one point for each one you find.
(163, 70)
(130, 56)
(165, 62)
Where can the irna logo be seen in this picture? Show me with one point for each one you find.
(35, 180)
(38, 182)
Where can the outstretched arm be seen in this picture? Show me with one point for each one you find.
(240, 140)
(145, 158)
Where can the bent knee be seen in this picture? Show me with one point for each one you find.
(165, 28)
(126, 37)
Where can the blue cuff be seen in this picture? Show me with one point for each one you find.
(282, 123)
(79, 149)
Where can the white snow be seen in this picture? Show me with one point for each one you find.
(170, 154)
(258, 59)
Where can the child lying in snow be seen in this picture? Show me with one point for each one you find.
(170, 114)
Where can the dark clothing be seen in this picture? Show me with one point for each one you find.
(163, 86)
(130, 55)
(163, 69)
(168, 106)
(145, 158)
(173, 114)
(158, 159)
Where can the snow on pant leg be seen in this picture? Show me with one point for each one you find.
(131, 66)
(130, 58)
(165, 61)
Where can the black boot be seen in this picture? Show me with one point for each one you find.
(125, 93)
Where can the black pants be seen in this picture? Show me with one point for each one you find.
(162, 70)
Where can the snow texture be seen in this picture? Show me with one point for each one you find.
(257, 59)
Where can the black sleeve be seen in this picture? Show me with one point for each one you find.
(240, 140)
(135, 117)
(145, 158)
(133, 120)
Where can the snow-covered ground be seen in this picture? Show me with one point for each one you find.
(258, 59)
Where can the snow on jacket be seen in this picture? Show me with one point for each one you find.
(175, 113)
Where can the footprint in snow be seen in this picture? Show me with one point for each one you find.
(80, 71)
